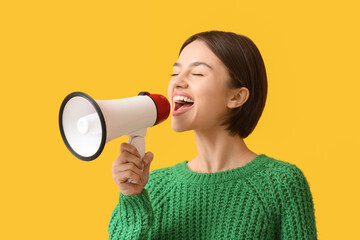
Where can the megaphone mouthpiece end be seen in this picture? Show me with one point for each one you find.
(162, 106)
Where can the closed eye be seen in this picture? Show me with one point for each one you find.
(196, 74)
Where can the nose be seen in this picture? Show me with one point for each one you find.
(180, 81)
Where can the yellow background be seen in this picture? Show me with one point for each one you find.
(115, 49)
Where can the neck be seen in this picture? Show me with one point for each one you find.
(218, 151)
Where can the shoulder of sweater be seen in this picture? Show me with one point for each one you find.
(276, 165)
(284, 172)
(282, 184)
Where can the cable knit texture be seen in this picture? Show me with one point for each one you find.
(264, 199)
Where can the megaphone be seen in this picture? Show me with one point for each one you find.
(86, 125)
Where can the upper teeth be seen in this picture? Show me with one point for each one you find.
(182, 98)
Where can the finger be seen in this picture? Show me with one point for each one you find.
(126, 167)
(126, 147)
(126, 157)
(149, 156)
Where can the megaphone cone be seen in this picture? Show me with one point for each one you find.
(86, 125)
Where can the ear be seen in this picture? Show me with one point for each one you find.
(238, 97)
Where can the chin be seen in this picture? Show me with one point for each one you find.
(180, 128)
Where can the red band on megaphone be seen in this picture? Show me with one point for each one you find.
(162, 106)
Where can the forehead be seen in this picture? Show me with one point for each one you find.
(198, 51)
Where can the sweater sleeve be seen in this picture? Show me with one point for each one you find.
(132, 218)
(296, 206)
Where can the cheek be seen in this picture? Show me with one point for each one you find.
(211, 105)
(212, 94)
(169, 89)
(212, 101)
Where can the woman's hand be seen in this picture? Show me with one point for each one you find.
(130, 166)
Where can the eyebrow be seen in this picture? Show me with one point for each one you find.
(194, 64)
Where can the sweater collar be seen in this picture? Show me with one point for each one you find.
(185, 175)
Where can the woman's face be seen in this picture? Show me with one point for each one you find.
(201, 76)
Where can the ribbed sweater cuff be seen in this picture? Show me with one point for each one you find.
(138, 200)
(136, 209)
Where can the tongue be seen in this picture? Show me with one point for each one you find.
(182, 105)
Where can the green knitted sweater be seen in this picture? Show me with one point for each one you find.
(264, 199)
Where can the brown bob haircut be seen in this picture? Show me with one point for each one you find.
(246, 69)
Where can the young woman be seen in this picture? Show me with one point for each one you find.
(218, 89)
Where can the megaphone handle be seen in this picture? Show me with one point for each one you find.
(139, 143)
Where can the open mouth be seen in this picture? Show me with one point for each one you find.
(182, 105)
(182, 102)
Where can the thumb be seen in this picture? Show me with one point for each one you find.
(148, 157)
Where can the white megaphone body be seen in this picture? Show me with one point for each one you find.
(86, 125)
